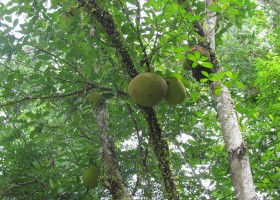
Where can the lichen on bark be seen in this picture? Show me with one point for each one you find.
(113, 179)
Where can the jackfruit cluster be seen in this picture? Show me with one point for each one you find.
(90, 177)
(148, 89)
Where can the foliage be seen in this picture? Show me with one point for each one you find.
(54, 58)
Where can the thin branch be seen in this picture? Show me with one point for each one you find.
(77, 92)
(59, 58)
(138, 34)
(143, 152)
(25, 99)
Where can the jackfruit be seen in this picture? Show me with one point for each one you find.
(203, 52)
(90, 177)
(176, 92)
(197, 71)
(95, 99)
(147, 89)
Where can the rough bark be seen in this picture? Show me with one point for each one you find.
(161, 151)
(159, 144)
(210, 20)
(113, 178)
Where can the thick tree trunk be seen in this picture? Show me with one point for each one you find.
(113, 178)
(238, 156)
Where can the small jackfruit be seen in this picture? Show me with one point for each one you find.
(176, 92)
(147, 89)
(95, 99)
(90, 177)
(197, 71)
(203, 52)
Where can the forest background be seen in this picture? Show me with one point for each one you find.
(62, 51)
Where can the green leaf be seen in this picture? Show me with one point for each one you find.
(8, 19)
(205, 74)
(191, 57)
(241, 108)
(239, 84)
(203, 80)
(194, 64)
(218, 90)
(225, 5)
(229, 74)
(271, 117)
(199, 114)
(197, 55)
(30, 115)
(15, 23)
(207, 65)
(277, 169)
(214, 77)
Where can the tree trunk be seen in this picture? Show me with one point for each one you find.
(113, 178)
(238, 156)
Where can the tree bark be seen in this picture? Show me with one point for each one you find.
(238, 156)
(113, 178)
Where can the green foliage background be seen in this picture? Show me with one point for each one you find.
(51, 61)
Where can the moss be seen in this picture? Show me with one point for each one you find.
(161, 151)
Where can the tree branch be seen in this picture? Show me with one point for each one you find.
(114, 181)
(77, 92)
(106, 20)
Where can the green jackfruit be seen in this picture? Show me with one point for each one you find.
(176, 92)
(95, 99)
(90, 177)
(147, 89)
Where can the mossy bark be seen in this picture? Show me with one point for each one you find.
(161, 151)
(113, 179)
